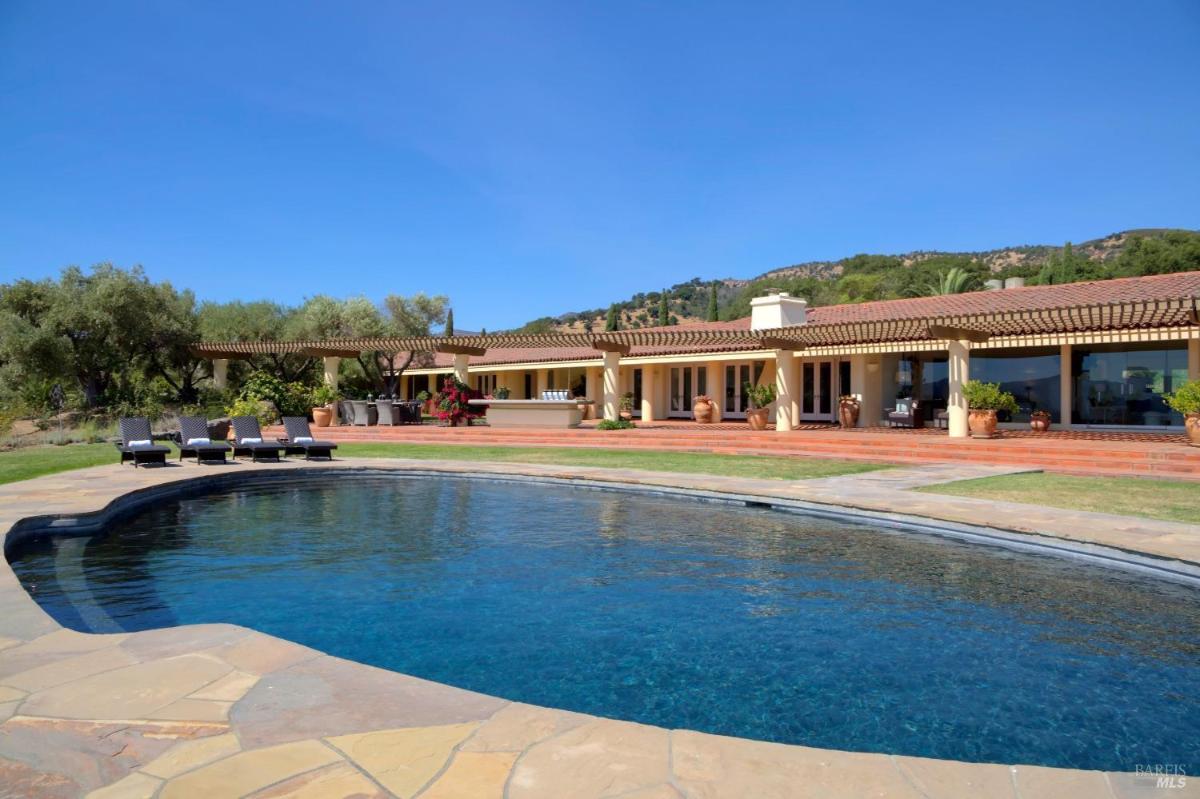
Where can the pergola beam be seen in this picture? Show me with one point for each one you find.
(459, 349)
(947, 333)
(611, 346)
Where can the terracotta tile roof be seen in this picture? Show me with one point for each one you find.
(1029, 298)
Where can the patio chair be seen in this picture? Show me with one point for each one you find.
(248, 440)
(137, 442)
(363, 413)
(300, 440)
(410, 412)
(194, 441)
(346, 411)
(907, 413)
(387, 412)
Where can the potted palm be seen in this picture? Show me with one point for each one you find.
(323, 397)
(626, 408)
(702, 409)
(984, 401)
(760, 398)
(1186, 400)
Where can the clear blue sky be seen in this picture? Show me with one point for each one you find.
(531, 158)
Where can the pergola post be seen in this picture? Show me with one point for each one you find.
(716, 388)
(1065, 384)
(612, 385)
(220, 373)
(332, 363)
(1194, 359)
(461, 361)
(787, 390)
(542, 384)
(649, 392)
(959, 372)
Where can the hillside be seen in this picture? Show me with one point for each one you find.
(862, 278)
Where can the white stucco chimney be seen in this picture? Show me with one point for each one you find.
(778, 309)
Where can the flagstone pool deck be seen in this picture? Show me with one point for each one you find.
(218, 710)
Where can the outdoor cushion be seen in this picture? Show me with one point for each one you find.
(204, 442)
(254, 440)
(304, 439)
(141, 443)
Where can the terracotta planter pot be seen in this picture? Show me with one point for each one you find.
(757, 418)
(1039, 421)
(848, 413)
(982, 423)
(1191, 423)
(322, 417)
(626, 415)
(702, 412)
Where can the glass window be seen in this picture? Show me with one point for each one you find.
(1126, 386)
(844, 386)
(676, 399)
(637, 392)
(1032, 379)
(826, 376)
(731, 389)
(807, 394)
(702, 380)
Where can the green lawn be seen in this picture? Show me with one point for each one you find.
(1171, 500)
(761, 466)
(22, 464)
(27, 462)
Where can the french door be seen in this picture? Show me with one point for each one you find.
(687, 382)
(817, 396)
(737, 375)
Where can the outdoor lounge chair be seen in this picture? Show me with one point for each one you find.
(137, 443)
(907, 413)
(194, 441)
(300, 440)
(248, 440)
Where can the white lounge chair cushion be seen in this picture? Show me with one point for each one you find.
(255, 440)
(203, 442)
(141, 443)
(304, 439)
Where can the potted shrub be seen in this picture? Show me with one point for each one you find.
(1186, 400)
(1039, 421)
(702, 409)
(626, 408)
(453, 405)
(323, 397)
(760, 398)
(501, 393)
(984, 400)
(849, 407)
(424, 397)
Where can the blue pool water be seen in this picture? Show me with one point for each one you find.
(667, 611)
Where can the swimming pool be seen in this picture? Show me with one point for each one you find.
(667, 611)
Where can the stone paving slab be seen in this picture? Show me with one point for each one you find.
(217, 710)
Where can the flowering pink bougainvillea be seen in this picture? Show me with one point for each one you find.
(452, 402)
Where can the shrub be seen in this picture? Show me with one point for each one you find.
(988, 397)
(615, 424)
(1186, 399)
(627, 401)
(324, 394)
(262, 410)
(501, 393)
(760, 396)
(453, 402)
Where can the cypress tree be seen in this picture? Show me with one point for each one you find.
(664, 316)
(614, 321)
(712, 303)
(450, 322)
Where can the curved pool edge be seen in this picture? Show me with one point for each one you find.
(212, 694)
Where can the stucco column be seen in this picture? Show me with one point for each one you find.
(220, 369)
(866, 383)
(332, 364)
(787, 390)
(1065, 394)
(649, 393)
(1194, 359)
(461, 372)
(612, 385)
(716, 388)
(960, 370)
(542, 383)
